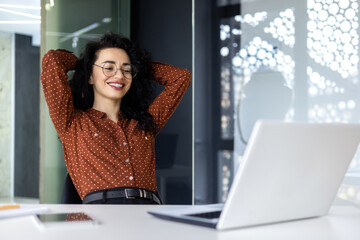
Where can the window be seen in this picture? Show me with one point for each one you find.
(291, 61)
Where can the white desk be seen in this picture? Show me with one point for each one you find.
(132, 222)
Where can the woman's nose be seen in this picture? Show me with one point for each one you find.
(118, 74)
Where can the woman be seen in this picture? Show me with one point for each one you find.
(107, 121)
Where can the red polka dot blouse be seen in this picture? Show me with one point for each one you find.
(99, 153)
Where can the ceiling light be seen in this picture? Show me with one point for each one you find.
(21, 22)
(20, 13)
(20, 6)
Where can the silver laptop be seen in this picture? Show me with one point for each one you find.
(289, 171)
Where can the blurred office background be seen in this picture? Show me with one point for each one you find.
(291, 61)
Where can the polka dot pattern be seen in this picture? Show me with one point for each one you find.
(99, 153)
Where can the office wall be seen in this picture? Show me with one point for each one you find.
(27, 75)
(206, 104)
(165, 29)
(6, 106)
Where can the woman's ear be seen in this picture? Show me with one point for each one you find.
(91, 80)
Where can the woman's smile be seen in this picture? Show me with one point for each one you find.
(116, 85)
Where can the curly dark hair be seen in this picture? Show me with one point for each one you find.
(135, 103)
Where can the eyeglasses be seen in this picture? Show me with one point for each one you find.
(110, 70)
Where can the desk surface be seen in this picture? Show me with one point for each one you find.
(133, 222)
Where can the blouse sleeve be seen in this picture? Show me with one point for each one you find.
(55, 65)
(176, 82)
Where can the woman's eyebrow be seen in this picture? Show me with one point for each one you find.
(110, 61)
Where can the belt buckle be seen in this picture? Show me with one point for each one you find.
(127, 195)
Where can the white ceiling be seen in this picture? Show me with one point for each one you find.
(27, 25)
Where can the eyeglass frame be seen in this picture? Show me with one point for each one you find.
(121, 70)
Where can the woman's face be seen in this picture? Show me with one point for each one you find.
(112, 86)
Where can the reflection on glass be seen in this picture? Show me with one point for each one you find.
(282, 28)
(349, 193)
(252, 20)
(78, 216)
(323, 78)
(225, 173)
(259, 54)
(230, 33)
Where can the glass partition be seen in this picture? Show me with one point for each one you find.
(298, 61)
(70, 25)
(291, 61)
(284, 60)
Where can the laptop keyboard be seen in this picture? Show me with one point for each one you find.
(208, 215)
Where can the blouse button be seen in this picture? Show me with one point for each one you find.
(127, 160)
(131, 177)
(124, 143)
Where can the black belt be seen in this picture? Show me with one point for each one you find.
(128, 193)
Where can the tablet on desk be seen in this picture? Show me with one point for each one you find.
(74, 219)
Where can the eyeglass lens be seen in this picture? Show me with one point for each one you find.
(110, 70)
